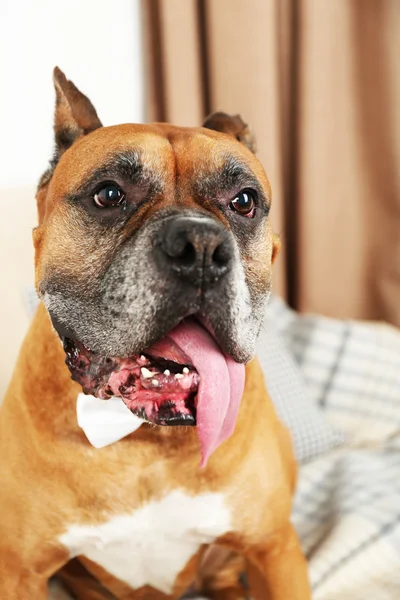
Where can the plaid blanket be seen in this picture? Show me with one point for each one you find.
(347, 507)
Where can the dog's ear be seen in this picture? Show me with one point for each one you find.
(75, 115)
(232, 125)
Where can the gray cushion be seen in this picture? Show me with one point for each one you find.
(312, 434)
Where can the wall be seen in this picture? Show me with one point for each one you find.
(98, 45)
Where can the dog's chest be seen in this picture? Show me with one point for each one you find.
(153, 544)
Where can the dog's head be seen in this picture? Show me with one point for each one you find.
(153, 255)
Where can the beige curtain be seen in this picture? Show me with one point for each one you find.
(319, 82)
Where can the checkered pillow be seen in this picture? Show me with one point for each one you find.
(312, 434)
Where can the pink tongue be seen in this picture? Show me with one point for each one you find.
(221, 386)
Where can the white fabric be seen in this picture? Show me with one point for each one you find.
(105, 421)
(347, 514)
(347, 508)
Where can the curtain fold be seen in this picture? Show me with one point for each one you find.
(319, 84)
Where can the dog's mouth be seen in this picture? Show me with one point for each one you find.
(183, 379)
(159, 386)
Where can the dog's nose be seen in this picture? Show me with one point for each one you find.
(196, 248)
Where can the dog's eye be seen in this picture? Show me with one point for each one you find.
(109, 195)
(244, 203)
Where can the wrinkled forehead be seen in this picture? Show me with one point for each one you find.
(162, 155)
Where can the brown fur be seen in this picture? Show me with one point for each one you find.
(51, 475)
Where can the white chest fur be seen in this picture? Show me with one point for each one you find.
(154, 543)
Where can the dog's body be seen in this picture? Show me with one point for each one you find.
(141, 516)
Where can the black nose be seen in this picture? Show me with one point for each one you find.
(198, 249)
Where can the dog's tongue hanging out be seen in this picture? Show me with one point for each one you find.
(184, 379)
(220, 389)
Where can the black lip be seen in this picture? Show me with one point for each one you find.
(168, 415)
(186, 420)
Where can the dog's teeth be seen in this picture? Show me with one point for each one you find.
(185, 370)
(167, 372)
(155, 382)
(143, 357)
(178, 376)
(146, 373)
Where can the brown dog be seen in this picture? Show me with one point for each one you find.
(153, 260)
